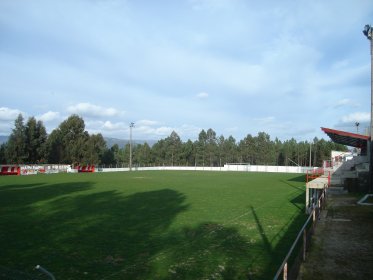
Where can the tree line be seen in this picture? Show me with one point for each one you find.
(70, 143)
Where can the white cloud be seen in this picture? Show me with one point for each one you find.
(107, 128)
(255, 59)
(151, 131)
(108, 125)
(91, 110)
(163, 131)
(7, 118)
(348, 122)
(212, 5)
(8, 114)
(232, 129)
(343, 102)
(146, 123)
(265, 120)
(202, 95)
(346, 102)
(356, 117)
(187, 131)
(49, 116)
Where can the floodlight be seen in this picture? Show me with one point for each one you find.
(368, 31)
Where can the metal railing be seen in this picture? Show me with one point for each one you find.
(289, 268)
(318, 172)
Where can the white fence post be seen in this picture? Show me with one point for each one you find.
(285, 275)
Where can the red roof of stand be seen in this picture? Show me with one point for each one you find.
(347, 138)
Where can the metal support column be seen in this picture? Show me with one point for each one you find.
(368, 32)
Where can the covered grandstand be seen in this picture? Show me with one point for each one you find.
(353, 174)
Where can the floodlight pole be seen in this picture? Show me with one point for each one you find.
(131, 126)
(368, 32)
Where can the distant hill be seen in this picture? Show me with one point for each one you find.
(3, 139)
(122, 143)
(109, 141)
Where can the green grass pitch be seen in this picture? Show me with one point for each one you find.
(150, 224)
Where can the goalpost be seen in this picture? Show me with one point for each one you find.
(241, 166)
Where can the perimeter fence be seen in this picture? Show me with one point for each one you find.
(226, 167)
(297, 253)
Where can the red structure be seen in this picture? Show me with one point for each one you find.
(349, 139)
(315, 173)
(88, 168)
(10, 170)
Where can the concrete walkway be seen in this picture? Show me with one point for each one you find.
(342, 246)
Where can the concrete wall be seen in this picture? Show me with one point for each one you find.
(230, 167)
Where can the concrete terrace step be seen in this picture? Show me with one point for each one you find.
(336, 190)
(318, 183)
(349, 174)
(362, 167)
(336, 181)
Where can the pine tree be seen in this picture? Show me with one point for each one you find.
(16, 148)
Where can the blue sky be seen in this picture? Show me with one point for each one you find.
(236, 66)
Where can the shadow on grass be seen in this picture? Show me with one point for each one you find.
(300, 178)
(286, 241)
(295, 186)
(80, 234)
(115, 235)
(285, 236)
(23, 233)
(22, 196)
(213, 251)
(208, 251)
(19, 187)
(299, 201)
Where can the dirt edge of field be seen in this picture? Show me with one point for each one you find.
(342, 246)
